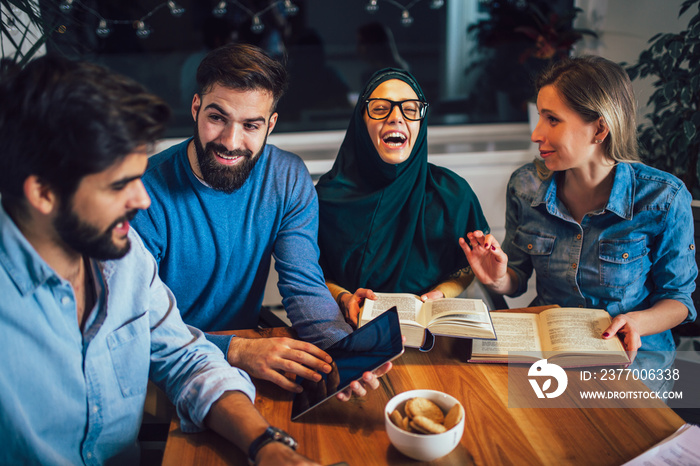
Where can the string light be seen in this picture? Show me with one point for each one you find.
(406, 18)
(220, 9)
(11, 19)
(144, 31)
(103, 29)
(66, 5)
(12, 26)
(290, 8)
(257, 26)
(175, 9)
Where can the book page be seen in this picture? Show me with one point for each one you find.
(406, 304)
(572, 329)
(468, 310)
(679, 449)
(515, 332)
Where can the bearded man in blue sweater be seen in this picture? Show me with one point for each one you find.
(223, 203)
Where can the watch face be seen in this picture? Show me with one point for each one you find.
(271, 434)
(279, 435)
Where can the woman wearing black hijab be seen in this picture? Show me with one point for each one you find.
(389, 220)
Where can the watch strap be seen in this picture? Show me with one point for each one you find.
(271, 434)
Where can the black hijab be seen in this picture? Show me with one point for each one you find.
(392, 227)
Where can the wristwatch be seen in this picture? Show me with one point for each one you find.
(271, 434)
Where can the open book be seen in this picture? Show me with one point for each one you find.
(680, 448)
(570, 337)
(454, 317)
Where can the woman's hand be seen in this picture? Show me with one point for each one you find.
(626, 328)
(487, 260)
(630, 327)
(350, 304)
(369, 381)
(435, 294)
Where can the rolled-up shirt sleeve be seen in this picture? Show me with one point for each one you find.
(674, 268)
(192, 371)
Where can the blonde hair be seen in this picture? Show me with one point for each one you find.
(597, 88)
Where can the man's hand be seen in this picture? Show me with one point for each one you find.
(234, 417)
(270, 358)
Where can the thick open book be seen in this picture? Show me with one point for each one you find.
(569, 337)
(454, 317)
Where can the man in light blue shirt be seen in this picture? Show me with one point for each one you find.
(85, 320)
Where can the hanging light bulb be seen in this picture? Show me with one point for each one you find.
(66, 5)
(372, 6)
(290, 8)
(142, 30)
(12, 26)
(103, 29)
(436, 4)
(220, 9)
(175, 9)
(257, 26)
(406, 18)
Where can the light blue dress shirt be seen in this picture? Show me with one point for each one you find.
(76, 397)
(637, 250)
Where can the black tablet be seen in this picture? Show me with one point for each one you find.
(365, 349)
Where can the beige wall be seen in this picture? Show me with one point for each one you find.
(624, 28)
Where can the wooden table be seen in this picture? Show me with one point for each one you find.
(354, 432)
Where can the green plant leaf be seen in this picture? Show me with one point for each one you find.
(30, 24)
(675, 49)
(654, 37)
(695, 31)
(696, 120)
(686, 95)
(666, 64)
(658, 46)
(684, 7)
(689, 130)
(669, 92)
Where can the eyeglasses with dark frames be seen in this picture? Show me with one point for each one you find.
(412, 109)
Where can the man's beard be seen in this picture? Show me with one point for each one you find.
(222, 177)
(87, 239)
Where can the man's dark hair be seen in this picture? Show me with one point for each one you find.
(242, 67)
(61, 120)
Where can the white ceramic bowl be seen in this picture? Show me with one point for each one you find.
(423, 447)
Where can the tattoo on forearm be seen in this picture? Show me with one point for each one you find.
(461, 272)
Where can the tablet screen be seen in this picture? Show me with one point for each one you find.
(365, 349)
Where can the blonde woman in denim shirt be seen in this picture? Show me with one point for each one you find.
(601, 229)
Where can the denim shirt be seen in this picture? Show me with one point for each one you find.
(637, 250)
(76, 397)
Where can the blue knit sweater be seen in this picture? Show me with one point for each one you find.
(214, 249)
